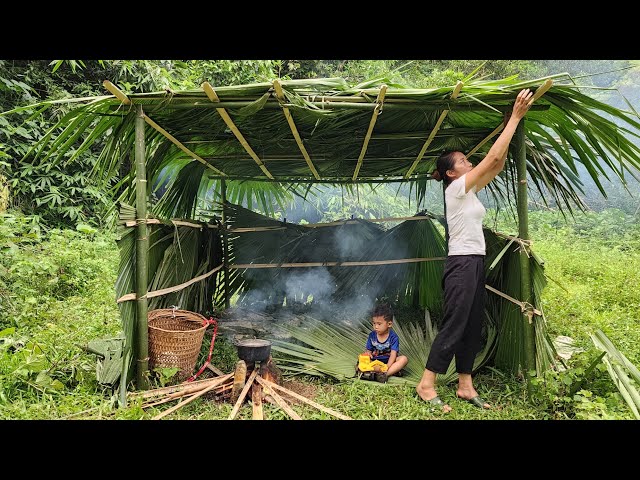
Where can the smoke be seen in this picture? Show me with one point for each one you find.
(313, 285)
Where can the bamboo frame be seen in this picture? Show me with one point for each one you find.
(392, 104)
(294, 129)
(538, 93)
(225, 244)
(335, 264)
(181, 146)
(132, 223)
(497, 130)
(334, 181)
(443, 115)
(374, 118)
(142, 256)
(227, 119)
(166, 291)
(526, 293)
(119, 94)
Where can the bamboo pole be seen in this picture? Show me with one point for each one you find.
(542, 89)
(142, 254)
(179, 144)
(335, 181)
(339, 105)
(227, 119)
(117, 92)
(374, 117)
(333, 264)
(497, 130)
(225, 244)
(294, 129)
(523, 233)
(432, 135)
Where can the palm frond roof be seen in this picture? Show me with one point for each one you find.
(332, 120)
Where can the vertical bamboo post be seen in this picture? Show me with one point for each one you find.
(225, 242)
(523, 233)
(142, 252)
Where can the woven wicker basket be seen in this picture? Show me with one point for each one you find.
(175, 339)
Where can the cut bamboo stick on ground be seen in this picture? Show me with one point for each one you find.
(175, 396)
(306, 400)
(256, 398)
(157, 392)
(279, 400)
(199, 394)
(215, 370)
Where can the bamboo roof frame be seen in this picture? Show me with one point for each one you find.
(126, 101)
(433, 133)
(374, 117)
(276, 99)
(227, 119)
(294, 130)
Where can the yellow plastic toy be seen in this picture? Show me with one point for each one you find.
(366, 365)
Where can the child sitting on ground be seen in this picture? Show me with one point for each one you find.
(383, 344)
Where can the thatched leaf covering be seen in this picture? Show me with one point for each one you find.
(565, 127)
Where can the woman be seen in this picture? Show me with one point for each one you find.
(463, 276)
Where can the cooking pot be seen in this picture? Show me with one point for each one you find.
(253, 350)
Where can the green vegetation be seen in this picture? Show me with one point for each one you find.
(57, 294)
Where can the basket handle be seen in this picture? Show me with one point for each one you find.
(214, 322)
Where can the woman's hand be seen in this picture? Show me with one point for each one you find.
(522, 104)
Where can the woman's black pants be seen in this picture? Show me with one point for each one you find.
(464, 296)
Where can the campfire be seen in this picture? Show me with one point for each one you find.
(255, 377)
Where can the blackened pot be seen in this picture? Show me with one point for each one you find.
(253, 350)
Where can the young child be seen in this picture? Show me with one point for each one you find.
(383, 343)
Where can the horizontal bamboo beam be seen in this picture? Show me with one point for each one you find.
(179, 144)
(243, 266)
(353, 106)
(294, 129)
(331, 224)
(132, 223)
(227, 119)
(336, 181)
(434, 131)
(374, 118)
(166, 291)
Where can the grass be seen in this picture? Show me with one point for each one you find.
(58, 294)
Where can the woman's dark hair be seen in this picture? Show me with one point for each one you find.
(383, 310)
(445, 162)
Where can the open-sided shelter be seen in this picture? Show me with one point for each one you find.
(247, 143)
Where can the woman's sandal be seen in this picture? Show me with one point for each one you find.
(437, 402)
(477, 401)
